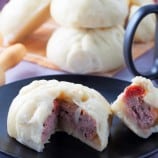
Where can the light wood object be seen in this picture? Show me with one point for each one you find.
(9, 57)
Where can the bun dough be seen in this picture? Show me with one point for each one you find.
(86, 50)
(146, 29)
(19, 18)
(34, 104)
(89, 13)
(146, 114)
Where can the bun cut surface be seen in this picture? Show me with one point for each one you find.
(45, 107)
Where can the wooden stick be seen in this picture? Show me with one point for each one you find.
(10, 57)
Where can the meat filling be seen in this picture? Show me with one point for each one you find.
(67, 115)
(50, 124)
(142, 113)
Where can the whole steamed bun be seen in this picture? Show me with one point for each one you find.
(19, 18)
(146, 29)
(89, 13)
(86, 50)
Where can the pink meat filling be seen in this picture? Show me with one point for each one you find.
(69, 115)
(142, 113)
(50, 124)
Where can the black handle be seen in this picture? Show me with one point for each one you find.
(129, 36)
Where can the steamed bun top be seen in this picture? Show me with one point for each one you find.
(146, 29)
(89, 13)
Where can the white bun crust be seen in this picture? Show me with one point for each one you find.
(99, 14)
(150, 98)
(86, 50)
(34, 104)
(146, 29)
(19, 18)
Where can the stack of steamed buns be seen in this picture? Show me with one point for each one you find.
(43, 108)
(90, 36)
(91, 33)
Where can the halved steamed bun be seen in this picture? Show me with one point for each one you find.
(44, 107)
(19, 18)
(89, 13)
(86, 50)
(137, 107)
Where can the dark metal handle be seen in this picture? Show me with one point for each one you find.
(129, 36)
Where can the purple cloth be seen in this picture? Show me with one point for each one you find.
(2, 3)
(143, 64)
(26, 69)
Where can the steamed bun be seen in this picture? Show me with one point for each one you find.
(45, 107)
(86, 50)
(146, 29)
(19, 18)
(137, 107)
(102, 13)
